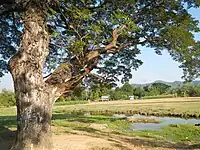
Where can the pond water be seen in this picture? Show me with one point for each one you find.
(164, 121)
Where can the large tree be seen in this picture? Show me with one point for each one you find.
(70, 38)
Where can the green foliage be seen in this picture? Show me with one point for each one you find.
(139, 93)
(156, 89)
(123, 92)
(82, 26)
(153, 91)
(7, 98)
(189, 90)
(99, 89)
(128, 88)
(118, 94)
(163, 88)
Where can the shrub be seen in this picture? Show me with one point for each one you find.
(7, 98)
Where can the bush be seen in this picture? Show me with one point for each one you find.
(7, 98)
(189, 90)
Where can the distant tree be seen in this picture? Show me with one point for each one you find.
(193, 91)
(162, 88)
(99, 89)
(189, 90)
(153, 91)
(173, 91)
(183, 91)
(139, 92)
(127, 89)
(118, 94)
(146, 88)
(156, 89)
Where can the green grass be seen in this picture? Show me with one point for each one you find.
(71, 118)
(179, 133)
(176, 133)
(182, 132)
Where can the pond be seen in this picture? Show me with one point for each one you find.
(163, 121)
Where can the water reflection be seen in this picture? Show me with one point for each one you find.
(164, 121)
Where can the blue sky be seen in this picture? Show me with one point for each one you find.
(155, 67)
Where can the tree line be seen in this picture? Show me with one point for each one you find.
(154, 90)
(80, 93)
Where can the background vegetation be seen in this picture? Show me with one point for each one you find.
(81, 95)
(148, 91)
(7, 98)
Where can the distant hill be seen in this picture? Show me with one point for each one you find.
(174, 84)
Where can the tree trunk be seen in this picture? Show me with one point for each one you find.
(34, 98)
(33, 122)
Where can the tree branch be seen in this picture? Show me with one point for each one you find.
(70, 74)
(115, 36)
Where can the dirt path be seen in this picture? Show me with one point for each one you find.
(83, 142)
(90, 142)
(86, 142)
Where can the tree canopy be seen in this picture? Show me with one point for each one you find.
(106, 34)
(68, 39)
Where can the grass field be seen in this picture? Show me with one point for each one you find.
(70, 119)
(177, 107)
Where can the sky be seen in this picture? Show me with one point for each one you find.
(155, 67)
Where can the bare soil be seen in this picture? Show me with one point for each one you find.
(79, 140)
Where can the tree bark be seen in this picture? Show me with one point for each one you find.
(34, 98)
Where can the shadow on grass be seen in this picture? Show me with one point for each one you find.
(86, 129)
(84, 119)
(7, 136)
(160, 144)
